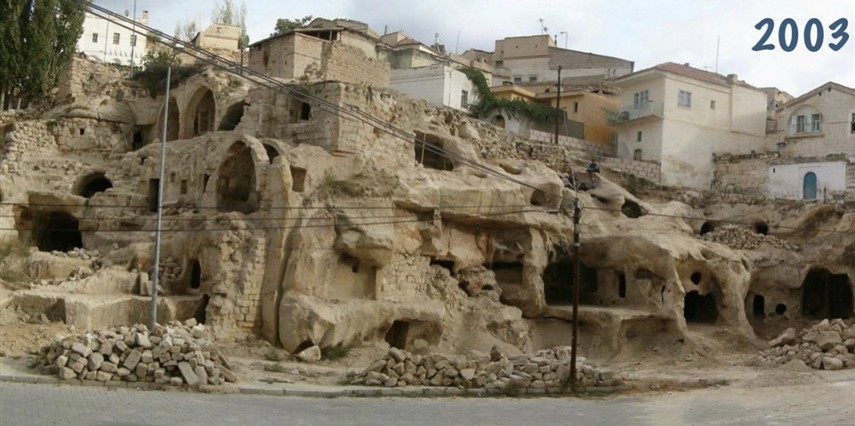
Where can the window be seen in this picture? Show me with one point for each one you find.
(517, 79)
(636, 155)
(640, 99)
(116, 38)
(684, 99)
(816, 123)
(800, 124)
(94, 37)
(464, 99)
(575, 107)
(852, 124)
(532, 79)
(712, 104)
(133, 39)
(638, 136)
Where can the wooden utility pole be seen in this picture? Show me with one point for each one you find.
(577, 219)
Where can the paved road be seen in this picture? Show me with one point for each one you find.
(825, 404)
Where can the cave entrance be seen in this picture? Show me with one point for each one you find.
(826, 295)
(201, 314)
(298, 179)
(236, 185)
(57, 231)
(558, 282)
(707, 227)
(759, 306)
(632, 210)
(761, 228)
(202, 112)
(92, 184)
(430, 153)
(195, 275)
(700, 308)
(397, 334)
(233, 116)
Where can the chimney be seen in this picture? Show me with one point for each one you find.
(732, 78)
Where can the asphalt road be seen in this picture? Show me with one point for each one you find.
(820, 404)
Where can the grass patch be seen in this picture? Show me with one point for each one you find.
(273, 355)
(274, 368)
(334, 353)
(352, 187)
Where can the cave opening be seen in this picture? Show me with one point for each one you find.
(195, 275)
(631, 209)
(558, 281)
(397, 334)
(759, 307)
(700, 308)
(826, 295)
(57, 231)
(201, 314)
(233, 116)
(429, 152)
(707, 227)
(761, 228)
(93, 184)
(236, 189)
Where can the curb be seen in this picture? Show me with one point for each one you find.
(343, 392)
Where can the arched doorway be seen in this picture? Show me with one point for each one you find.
(92, 184)
(499, 121)
(201, 112)
(826, 295)
(809, 186)
(232, 117)
(173, 121)
(236, 184)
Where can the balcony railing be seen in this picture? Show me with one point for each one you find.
(631, 112)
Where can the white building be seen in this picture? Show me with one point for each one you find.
(679, 116)
(815, 134)
(441, 85)
(109, 42)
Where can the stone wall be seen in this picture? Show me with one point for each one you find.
(340, 62)
(742, 174)
(574, 144)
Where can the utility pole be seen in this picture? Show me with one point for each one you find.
(558, 106)
(155, 277)
(577, 219)
(133, 39)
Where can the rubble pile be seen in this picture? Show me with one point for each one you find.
(741, 238)
(547, 369)
(174, 354)
(824, 346)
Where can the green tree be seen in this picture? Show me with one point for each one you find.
(37, 39)
(285, 25)
(226, 13)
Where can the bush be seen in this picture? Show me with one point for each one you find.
(334, 353)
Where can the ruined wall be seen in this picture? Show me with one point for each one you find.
(341, 62)
(742, 174)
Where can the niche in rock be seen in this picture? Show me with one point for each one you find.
(298, 179)
(707, 227)
(236, 187)
(173, 122)
(826, 295)
(353, 280)
(56, 231)
(397, 334)
(233, 116)
(195, 275)
(429, 151)
(632, 210)
(201, 314)
(700, 308)
(761, 228)
(92, 184)
(271, 151)
(759, 307)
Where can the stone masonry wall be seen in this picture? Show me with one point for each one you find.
(573, 143)
(341, 62)
(742, 174)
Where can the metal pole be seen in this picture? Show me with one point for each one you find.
(155, 277)
(133, 39)
(577, 218)
(558, 106)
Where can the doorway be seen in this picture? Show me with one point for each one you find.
(809, 186)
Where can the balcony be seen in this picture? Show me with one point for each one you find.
(629, 113)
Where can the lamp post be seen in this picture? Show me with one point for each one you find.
(155, 276)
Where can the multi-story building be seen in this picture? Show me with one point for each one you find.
(815, 136)
(111, 43)
(536, 58)
(679, 117)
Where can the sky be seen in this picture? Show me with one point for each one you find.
(647, 32)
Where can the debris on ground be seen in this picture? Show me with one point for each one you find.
(742, 238)
(828, 345)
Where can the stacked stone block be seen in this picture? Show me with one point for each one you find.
(828, 345)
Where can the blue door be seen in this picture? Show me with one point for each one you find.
(810, 186)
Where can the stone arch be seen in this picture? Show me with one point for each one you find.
(499, 121)
(237, 184)
(232, 117)
(173, 122)
(92, 184)
(201, 112)
(271, 151)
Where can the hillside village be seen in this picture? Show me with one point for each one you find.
(332, 188)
